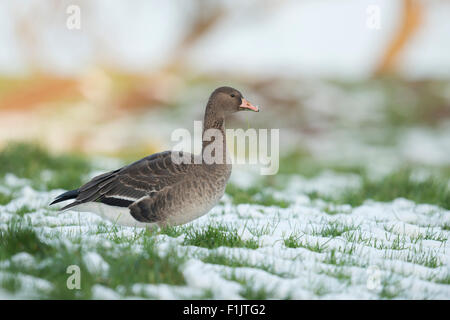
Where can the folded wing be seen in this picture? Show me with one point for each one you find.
(123, 187)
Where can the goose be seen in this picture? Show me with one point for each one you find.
(160, 190)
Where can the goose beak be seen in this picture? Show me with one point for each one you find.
(247, 105)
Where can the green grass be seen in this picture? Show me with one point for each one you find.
(11, 283)
(174, 232)
(253, 195)
(294, 241)
(147, 266)
(434, 235)
(29, 160)
(336, 258)
(390, 287)
(301, 162)
(113, 233)
(433, 190)
(23, 210)
(334, 229)
(248, 290)
(330, 208)
(338, 273)
(19, 237)
(399, 243)
(259, 231)
(261, 293)
(150, 264)
(442, 280)
(220, 259)
(319, 289)
(356, 236)
(217, 236)
(5, 198)
(425, 258)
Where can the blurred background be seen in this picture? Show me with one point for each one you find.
(348, 83)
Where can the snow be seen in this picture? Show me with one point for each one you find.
(29, 286)
(23, 258)
(396, 239)
(201, 275)
(100, 292)
(95, 264)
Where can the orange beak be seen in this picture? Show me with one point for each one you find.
(247, 105)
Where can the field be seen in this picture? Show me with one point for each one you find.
(355, 101)
(311, 232)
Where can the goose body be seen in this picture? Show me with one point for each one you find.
(158, 190)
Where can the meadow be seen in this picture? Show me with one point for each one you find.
(321, 233)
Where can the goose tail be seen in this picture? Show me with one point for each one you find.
(72, 194)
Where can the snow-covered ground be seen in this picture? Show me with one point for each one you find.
(311, 249)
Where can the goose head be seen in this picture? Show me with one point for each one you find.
(227, 100)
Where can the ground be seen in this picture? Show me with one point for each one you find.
(359, 209)
(310, 232)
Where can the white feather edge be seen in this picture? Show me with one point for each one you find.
(118, 215)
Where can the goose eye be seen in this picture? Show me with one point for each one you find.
(232, 95)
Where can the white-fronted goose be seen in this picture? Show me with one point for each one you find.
(158, 189)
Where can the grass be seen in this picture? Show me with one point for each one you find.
(337, 258)
(356, 236)
(294, 241)
(259, 231)
(390, 287)
(434, 235)
(174, 232)
(334, 229)
(301, 162)
(10, 283)
(399, 183)
(248, 290)
(261, 293)
(19, 237)
(52, 261)
(23, 210)
(329, 208)
(315, 247)
(221, 259)
(5, 198)
(151, 263)
(338, 273)
(442, 280)
(29, 161)
(427, 258)
(433, 190)
(217, 236)
(319, 289)
(253, 195)
(148, 265)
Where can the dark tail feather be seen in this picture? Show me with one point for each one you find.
(72, 194)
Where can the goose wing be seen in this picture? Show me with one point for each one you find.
(124, 186)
